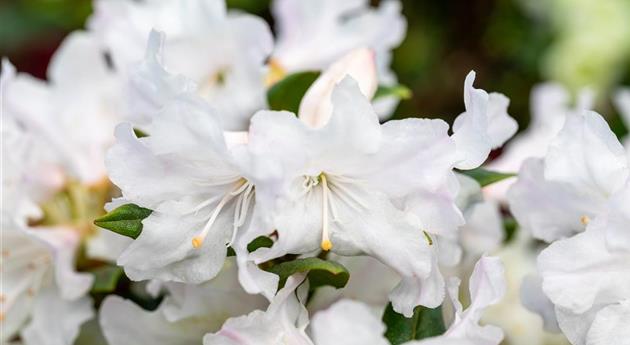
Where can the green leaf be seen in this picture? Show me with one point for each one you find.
(125, 220)
(399, 91)
(288, 92)
(424, 323)
(320, 272)
(106, 278)
(511, 227)
(485, 177)
(259, 242)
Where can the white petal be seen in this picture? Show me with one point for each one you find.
(548, 210)
(56, 321)
(610, 325)
(501, 126)
(588, 156)
(282, 322)
(171, 236)
(483, 231)
(313, 34)
(78, 62)
(151, 86)
(353, 127)
(487, 287)
(618, 217)
(470, 129)
(215, 300)
(316, 105)
(534, 299)
(64, 243)
(123, 322)
(419, 145)
(347, 322)
(575, 326)
(580, 271)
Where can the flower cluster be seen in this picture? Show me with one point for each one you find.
(247, 175)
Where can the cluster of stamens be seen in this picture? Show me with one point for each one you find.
(243, 192)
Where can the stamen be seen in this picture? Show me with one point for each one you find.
(585, 220)
(326, 244)
(197, 241)
(428, 237)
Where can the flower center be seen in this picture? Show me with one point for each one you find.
(243, 192)
(334, 189)
(585, 220)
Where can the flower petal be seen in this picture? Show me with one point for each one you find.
(47, 327)
(316, 105)
(587, 155)
(347, 322)
(123, 322)
(549, 210)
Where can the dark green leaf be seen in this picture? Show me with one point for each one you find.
(320, 272)
(424, 323)
(259, 242)
(399, 91)
(288, 92)
(125, 220)
(485, 177)
(510, 226)
(106, 278)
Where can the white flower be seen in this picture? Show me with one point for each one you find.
(312, 34)
(341, 178)
(75, 111)
(284, 321)
(584, 166)
(200, 188)
(349, 322)
(587, 277)
(38, 277)
(222, 52)
(184, 316)
(551, 104)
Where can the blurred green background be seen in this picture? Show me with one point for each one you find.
(512, 44)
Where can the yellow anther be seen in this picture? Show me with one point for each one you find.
(585, 220)
(197, 241)
(326, 245)
(275, 74)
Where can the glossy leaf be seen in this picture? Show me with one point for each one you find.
(106, 278)
(288, 92)
(125, 220)
(424, 323)
(320, 272)
(486, 177)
